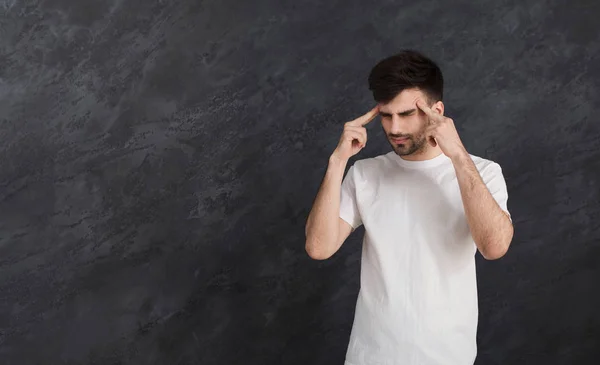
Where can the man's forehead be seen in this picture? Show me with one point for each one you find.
(397, 108)
(404, 101)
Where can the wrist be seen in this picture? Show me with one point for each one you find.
(460, 156)
(336, 160)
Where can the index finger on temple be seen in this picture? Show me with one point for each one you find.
(424, 107)
(366, 118)
(427, 110)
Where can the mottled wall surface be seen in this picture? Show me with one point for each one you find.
(159, 160)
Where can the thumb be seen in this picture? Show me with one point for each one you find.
(432, 141)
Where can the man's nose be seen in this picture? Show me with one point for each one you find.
(397, 125)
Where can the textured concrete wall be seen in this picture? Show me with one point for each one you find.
(158, 160)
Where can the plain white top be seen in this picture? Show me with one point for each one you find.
(417, 303)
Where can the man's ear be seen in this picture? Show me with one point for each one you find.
(438, 106)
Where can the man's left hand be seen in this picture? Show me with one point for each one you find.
(441, 130)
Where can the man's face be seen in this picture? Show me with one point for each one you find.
(405, 124)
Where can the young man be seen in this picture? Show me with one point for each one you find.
(427, 207)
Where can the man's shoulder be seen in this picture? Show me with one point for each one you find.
(371, 163)
(483, 164)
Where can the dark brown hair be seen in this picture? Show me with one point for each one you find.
(404, 70)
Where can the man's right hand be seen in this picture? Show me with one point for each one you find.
(354, 137)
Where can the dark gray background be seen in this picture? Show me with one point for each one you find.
(159, 160)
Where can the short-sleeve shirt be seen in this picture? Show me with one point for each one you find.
(417, 302)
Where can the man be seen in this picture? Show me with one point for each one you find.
(426, 207)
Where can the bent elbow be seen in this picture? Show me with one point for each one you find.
(314, 253)
(493, 255)
(494, 251)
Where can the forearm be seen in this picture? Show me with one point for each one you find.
(322, 226)
(490, 226)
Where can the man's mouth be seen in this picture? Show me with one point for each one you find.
(400, 140)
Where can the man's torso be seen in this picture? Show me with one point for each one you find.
(418, 298)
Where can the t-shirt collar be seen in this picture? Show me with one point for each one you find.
(436, 161)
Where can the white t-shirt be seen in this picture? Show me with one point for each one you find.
(417, 303)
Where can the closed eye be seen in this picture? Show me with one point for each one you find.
(405, 113)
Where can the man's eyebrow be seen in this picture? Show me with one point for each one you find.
(402, 113)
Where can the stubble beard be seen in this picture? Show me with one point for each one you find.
(414, 145)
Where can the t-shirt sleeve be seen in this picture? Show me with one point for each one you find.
(494, 180)
(348, 205)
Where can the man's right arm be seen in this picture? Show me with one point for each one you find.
(325, 230)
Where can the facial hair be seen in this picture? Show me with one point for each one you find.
(416, 143)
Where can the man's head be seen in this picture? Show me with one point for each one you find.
(397, 82)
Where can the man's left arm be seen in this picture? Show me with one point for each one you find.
(485, 206)
(490, 224)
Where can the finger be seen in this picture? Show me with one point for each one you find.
(365, 119)
(352, 135)
(424, 107)
(361, 137)
(432, 129)
(436, 117)
(364, 135)
(355, 128)
(431, 132)
(432, 141)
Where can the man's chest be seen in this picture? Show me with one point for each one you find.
(407, 200)
(417, 217)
